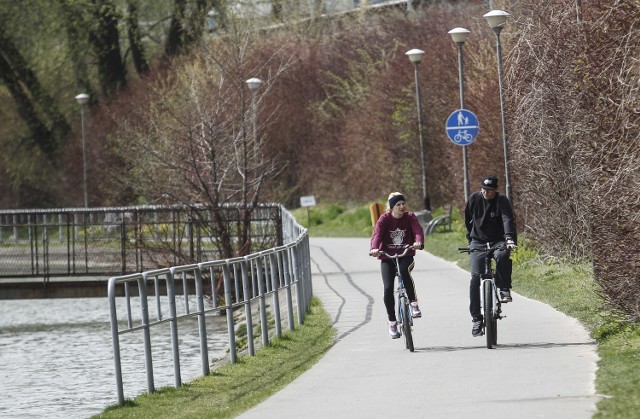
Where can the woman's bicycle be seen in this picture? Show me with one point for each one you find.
(489, 298)
(404, 314)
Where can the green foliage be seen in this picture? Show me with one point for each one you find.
(335, 220)
(352, 88)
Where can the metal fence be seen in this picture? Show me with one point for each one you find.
(276, 282)
(117, 241)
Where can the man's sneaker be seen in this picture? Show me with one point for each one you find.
(393, 330)
(505, 296)
(415, 310)
(477, 328)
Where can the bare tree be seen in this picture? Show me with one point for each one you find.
(197, 148)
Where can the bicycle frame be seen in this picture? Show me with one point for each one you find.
(403, 310)
(491, 310)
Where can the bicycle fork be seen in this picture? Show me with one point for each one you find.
(403, 300)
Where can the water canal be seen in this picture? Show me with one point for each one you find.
(56, 357)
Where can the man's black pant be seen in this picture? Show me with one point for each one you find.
(504, 267)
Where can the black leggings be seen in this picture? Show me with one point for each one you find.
(388, 268)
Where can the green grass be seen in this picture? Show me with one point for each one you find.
(335, 220)
(233, 388)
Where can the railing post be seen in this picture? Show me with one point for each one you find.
(247, 296)
(229, 309)
(286, 263)
(146, 333)
(264, 326)
(298, 278)
(115, 338)
(175, 350)
(275, 288)
(202, 325)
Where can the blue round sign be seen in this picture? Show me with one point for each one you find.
(462, 127)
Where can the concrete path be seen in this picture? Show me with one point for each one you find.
(544, 365)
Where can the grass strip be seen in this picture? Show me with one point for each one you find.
(234, 388)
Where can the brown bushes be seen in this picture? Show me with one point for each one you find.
(576, 151)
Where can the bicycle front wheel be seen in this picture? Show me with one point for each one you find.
(489, 321)
(406, 325)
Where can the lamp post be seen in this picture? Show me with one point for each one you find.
(497, 19)
(459, 35)
(415, 56)
(82, 99)
(254, 84)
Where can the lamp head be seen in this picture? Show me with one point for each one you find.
(82, 99)
(253, 83)
(496, 18)
(459, 35)
(415, 55)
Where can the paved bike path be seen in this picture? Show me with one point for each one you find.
(544, 365)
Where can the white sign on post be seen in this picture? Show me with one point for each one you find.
(308, 201)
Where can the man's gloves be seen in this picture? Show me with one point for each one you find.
(511, 244)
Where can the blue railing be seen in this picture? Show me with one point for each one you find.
(277, 282)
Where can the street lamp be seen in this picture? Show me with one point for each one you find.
(254, 84)
(459, 35)
(82, 99)
(415, 56)
(497, 19)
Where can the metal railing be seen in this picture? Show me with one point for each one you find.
(118, 241)
(230, 286)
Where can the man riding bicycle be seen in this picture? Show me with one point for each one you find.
(489, 218)
(394, 229)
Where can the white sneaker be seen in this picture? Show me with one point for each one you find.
(415, 310)
(393, 330)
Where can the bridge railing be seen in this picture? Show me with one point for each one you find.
(118, 240)
(276, 282)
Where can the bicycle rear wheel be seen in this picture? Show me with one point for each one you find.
(406, 324)
(489, 320)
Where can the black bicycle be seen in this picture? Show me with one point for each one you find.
(491, 307)
(404, 314)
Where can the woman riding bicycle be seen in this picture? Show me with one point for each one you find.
(395, 229)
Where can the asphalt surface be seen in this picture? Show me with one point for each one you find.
(543, 367)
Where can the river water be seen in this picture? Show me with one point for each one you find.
(56, 357)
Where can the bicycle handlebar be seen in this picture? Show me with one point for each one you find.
(407, 247)
(498, 246)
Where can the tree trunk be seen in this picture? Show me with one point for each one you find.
(38, 110)
(135, 38)
(176, 35)
(106, 42)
